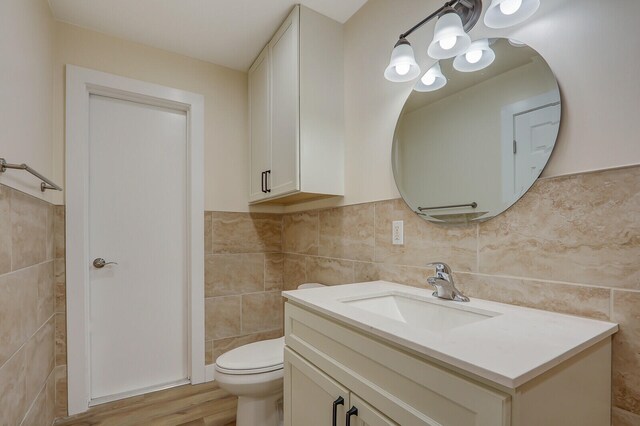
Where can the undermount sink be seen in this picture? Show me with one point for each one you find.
(419, 313)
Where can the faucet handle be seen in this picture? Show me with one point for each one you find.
(441, 267)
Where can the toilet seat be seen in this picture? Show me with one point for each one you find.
(255, 358)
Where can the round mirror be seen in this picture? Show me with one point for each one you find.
(476, 132)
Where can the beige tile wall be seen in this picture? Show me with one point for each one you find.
(27, 305)
(243, 280)
(571, 245)
(60, 308)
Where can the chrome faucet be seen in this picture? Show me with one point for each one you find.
(443, 283)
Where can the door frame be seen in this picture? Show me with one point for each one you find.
(80, 84)
(507, 120)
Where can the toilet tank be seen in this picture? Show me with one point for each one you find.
(310, 285)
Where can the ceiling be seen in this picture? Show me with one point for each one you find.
(225, 32)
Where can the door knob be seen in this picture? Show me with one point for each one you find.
(100, 263)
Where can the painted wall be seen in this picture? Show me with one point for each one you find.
(225, 92)
(587, 43)
(586, 142)
(26, 48)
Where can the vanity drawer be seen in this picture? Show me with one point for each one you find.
(405, 388)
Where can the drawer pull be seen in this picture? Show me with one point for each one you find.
(339, 401)
(352, 412)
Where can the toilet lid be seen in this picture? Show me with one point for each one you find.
(258, 357)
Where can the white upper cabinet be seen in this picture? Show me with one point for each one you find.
(285, 109)
(296, 109)
(260, 123)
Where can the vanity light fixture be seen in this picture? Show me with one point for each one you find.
(432, 80)
(455, 19)
(505, 13)
(477, 57)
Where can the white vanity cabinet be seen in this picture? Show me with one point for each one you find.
(326, 359)
(315, 391)
(296, 112)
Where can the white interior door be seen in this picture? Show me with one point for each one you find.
(535, 136)
(138, 308)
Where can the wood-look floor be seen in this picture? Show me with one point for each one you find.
(200, 405)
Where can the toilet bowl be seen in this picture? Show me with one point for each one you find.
(254, 373)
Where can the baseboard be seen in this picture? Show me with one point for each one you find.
(209, 372)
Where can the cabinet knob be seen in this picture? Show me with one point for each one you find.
(339, 401)
(352, 412)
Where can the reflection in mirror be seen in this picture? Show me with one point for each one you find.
(470, 149)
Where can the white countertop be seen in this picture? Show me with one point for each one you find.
(510, 348)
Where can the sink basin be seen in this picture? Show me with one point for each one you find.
(419, 313)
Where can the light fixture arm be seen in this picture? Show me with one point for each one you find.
(427, 19)
(471, 8)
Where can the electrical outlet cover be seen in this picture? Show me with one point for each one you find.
(397, 232)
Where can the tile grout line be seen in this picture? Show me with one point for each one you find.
(477, 247)
(375, 233)
(318, 233)
(611, 294)
(241, 319)
(55, 391)
(253, 293)
(567, 283)
(10, 202)
(32, 336)
(43, 389)
(30, 266)
(264, 272)
(237, 336)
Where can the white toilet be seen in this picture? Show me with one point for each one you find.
(254, 373)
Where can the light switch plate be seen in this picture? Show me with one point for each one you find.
(397, 232)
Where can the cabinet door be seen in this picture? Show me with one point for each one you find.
(309, 394)
(285, 108)
(260, 126)
(367, 415)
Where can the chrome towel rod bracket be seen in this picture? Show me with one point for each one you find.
(46, 183)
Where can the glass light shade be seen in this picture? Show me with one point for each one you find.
(496, 18)
(509, 7)
(465, 63)
(432, 80)
(402, 66)
(448, 26)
